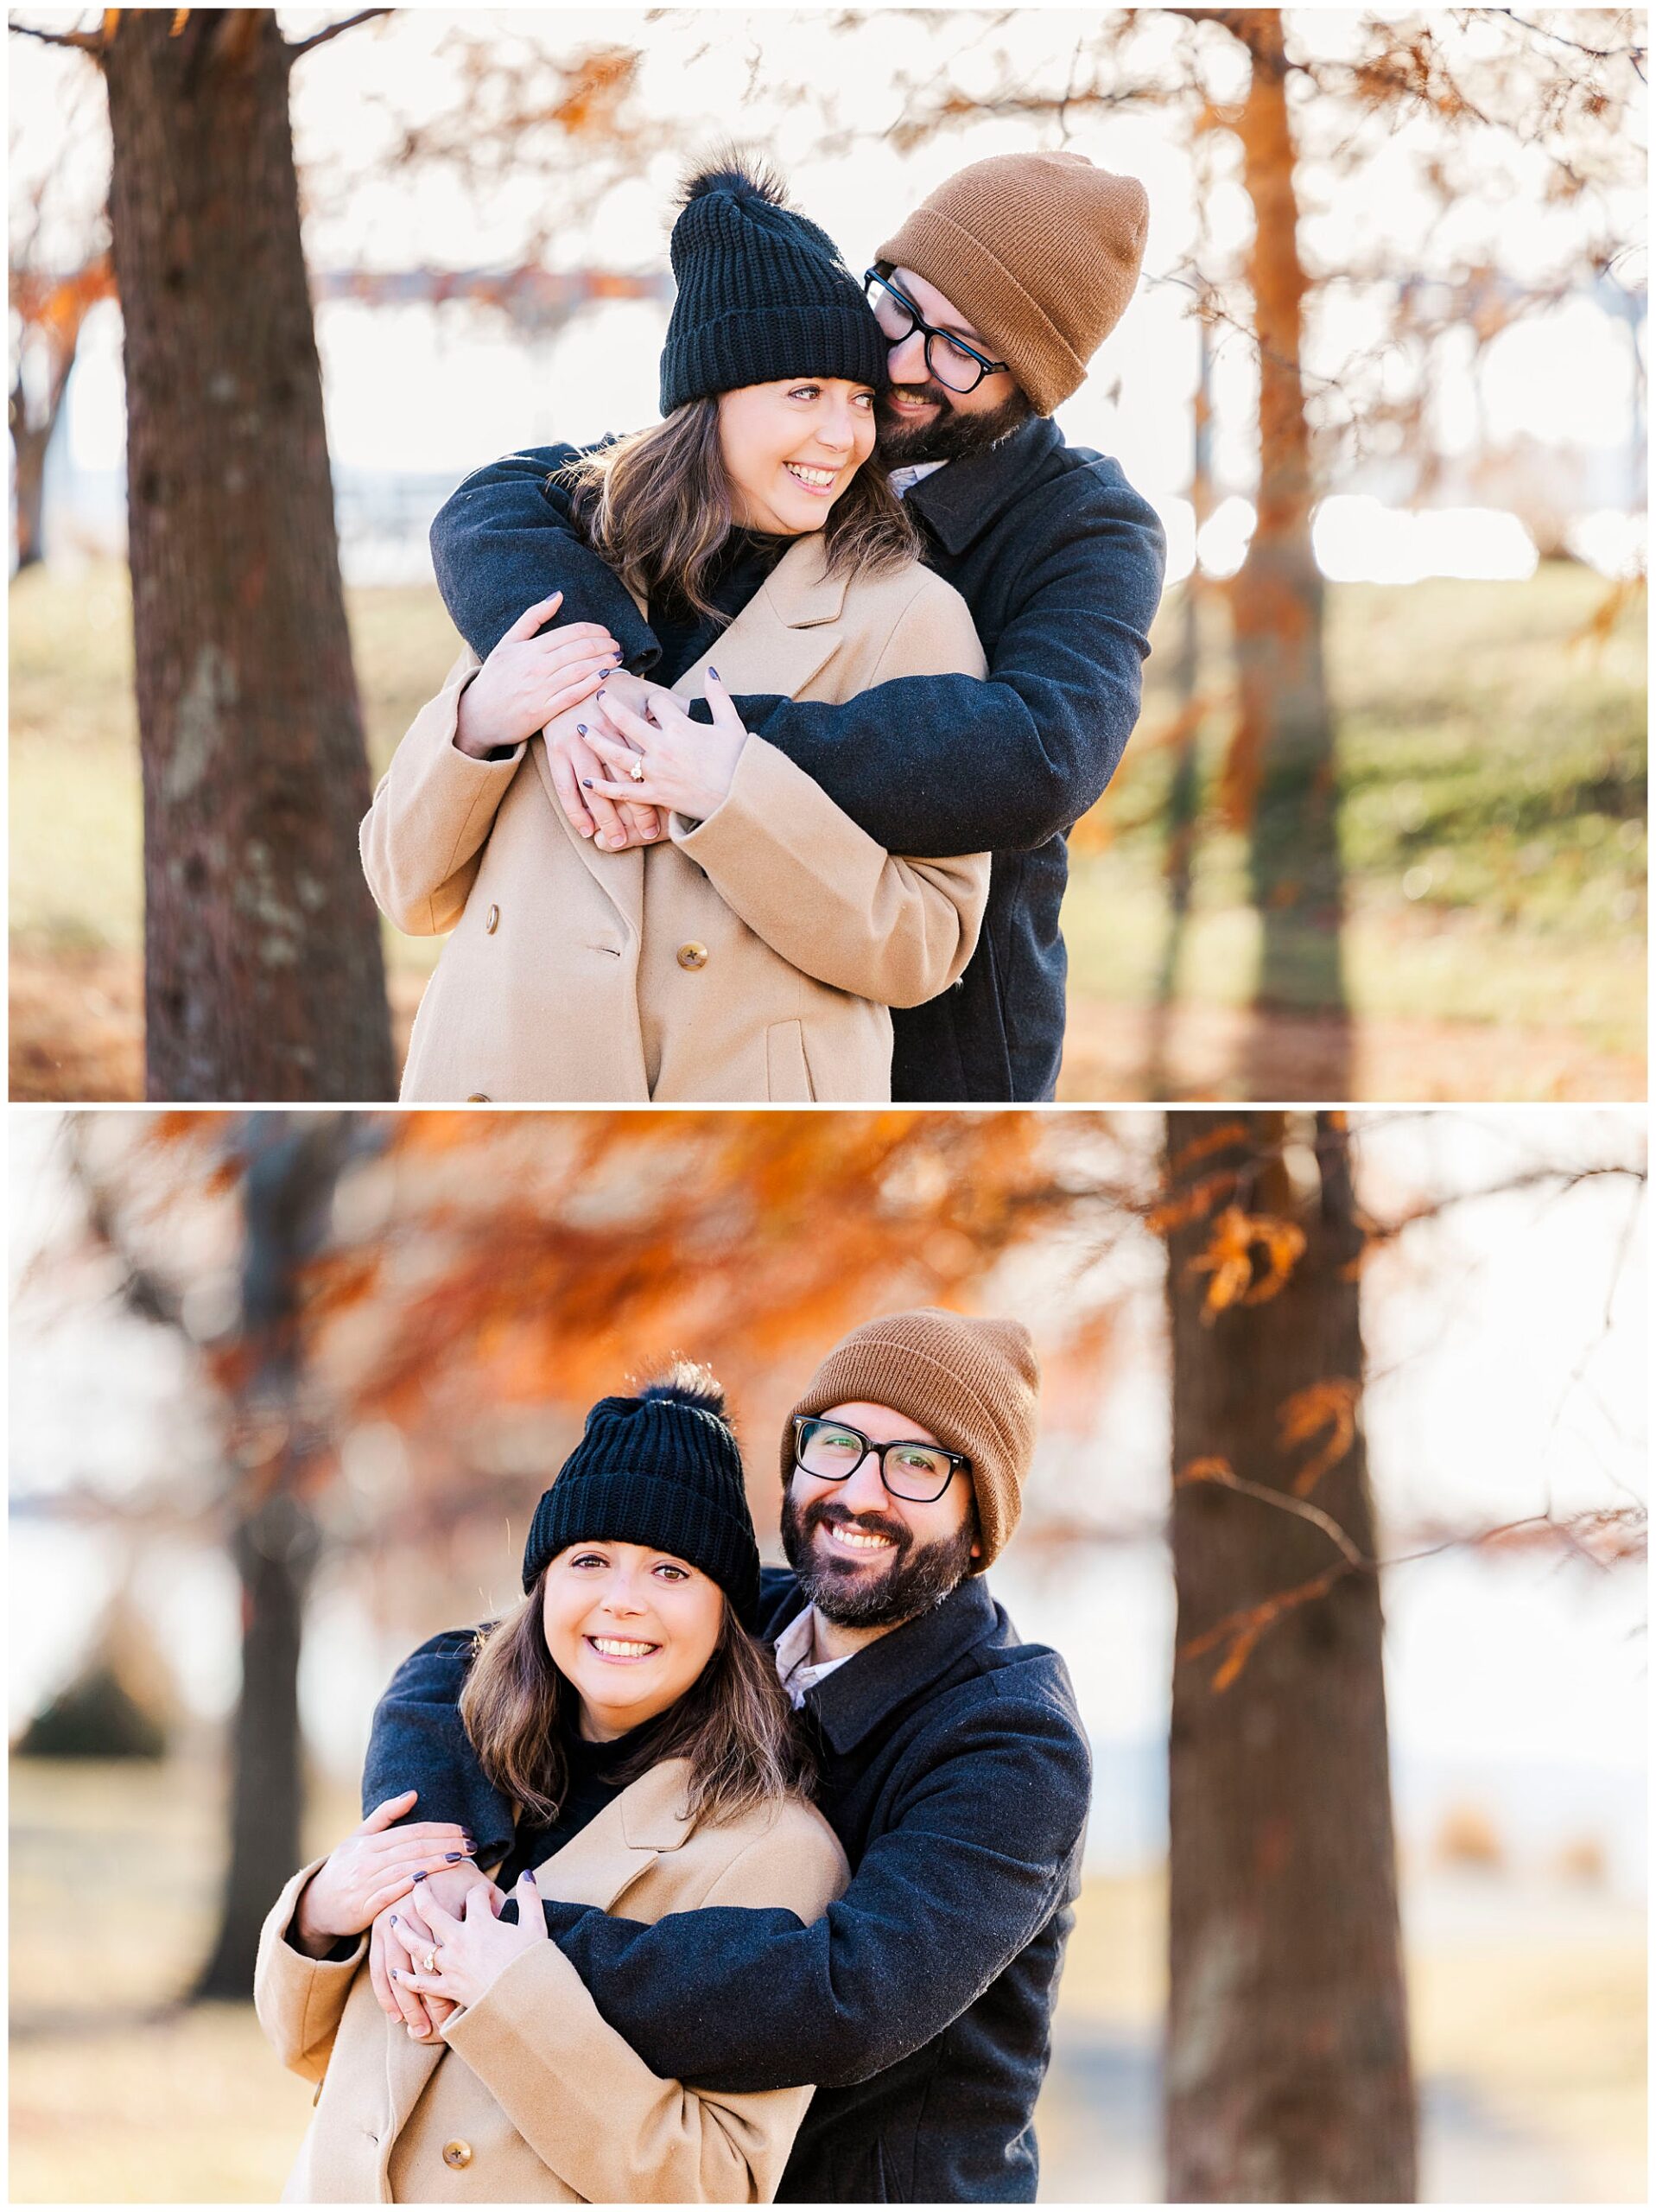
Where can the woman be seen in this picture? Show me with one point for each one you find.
(648, 1744)
(753, 953)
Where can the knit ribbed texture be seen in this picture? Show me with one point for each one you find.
(762, 294)
(659, 1471)
(1039, 252)
(973, 1384)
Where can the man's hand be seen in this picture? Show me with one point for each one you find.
(400, 1933)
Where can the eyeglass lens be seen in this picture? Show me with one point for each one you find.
(953, 367)
(913, 1472)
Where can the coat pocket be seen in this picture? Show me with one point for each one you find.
(787, 1072)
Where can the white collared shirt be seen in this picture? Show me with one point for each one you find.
(795, 1668)
(903, 480)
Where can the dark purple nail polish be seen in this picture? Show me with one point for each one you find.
(451, 1856)
(394, 1920)
(528, 1876)
(714, 674)
(581, 729)
(420, 1877)
(586, 783)
(600, 694)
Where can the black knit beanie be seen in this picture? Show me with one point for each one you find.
(762, 294)
(660, 1469)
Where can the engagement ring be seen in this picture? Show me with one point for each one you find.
(636, 769)
(431, 1962)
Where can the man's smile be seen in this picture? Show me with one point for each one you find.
(859, 1539)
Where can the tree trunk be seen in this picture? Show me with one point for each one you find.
(292, 1166)
(275, 1548)
(1184, 795)
(263, 976)
(29, 444)
(1282, 772)
(1287, 2067)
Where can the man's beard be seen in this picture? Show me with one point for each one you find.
(950, 435)
(915, 1578)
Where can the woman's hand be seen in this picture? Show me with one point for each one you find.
(399, 1933)
(527, 679)
(667, 759)
(468, 1950)
(374, 1866)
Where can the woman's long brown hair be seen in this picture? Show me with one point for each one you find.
(733, 1725)
(656, 506)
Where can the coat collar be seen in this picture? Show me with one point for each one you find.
(784, 635)
(800, 588)
(857, 1698)
(959, 501)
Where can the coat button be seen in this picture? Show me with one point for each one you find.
(492, 921)
(479, 1098)
(692, 956)
(457, 2153)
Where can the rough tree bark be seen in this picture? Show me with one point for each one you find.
(292, 1166)
(263, 976)
(1288, 2075)
(1282, 764)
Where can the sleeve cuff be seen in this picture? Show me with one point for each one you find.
(764, 780)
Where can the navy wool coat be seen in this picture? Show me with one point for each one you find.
(1061, 563)
(956, 1772)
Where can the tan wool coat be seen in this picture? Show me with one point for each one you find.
(529, 2096)
(752, 957)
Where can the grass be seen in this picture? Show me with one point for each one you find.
(117, 2098)
(1492, 818)
(1492, 770)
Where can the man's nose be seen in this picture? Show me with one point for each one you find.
(864, 1492)
(906, 362)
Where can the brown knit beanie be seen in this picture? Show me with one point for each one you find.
(973, 1384)
(1039, 252)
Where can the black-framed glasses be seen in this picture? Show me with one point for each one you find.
(833, 1451)
(955, 364)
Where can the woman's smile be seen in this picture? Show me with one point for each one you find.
(621, 1650)
(819, 481)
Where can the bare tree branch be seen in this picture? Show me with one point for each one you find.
(333, 30)
(83, 41)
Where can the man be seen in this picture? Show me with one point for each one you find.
(994, 294)
(952, 1766)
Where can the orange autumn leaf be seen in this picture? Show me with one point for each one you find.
(1326, 1409)
(1234, 1660)
(1228, 1259)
